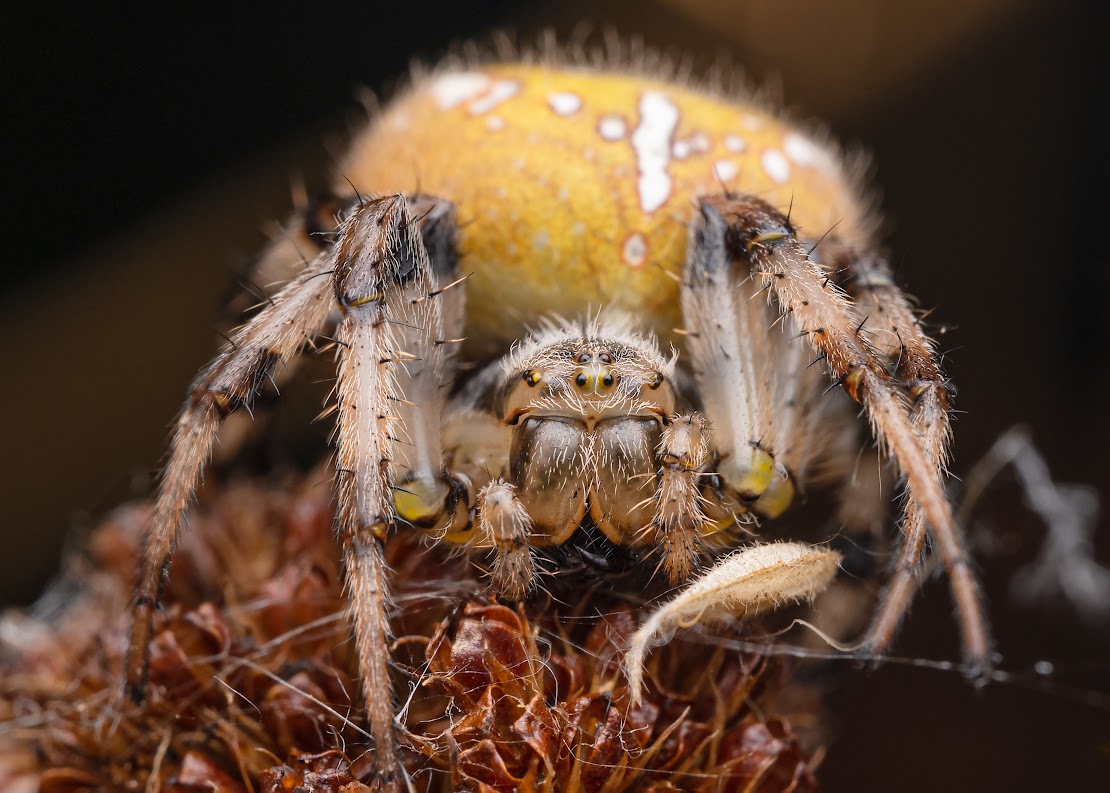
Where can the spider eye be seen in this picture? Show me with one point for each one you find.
(581, 380)
(607, 380)
(656, 380)
(531, 377)
(606, 357)
(583, 358)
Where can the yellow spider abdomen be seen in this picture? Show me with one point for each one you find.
(574, 187)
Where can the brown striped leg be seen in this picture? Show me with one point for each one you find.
(308, 234)
(229, 382)
(763, 402)
(896, 332)
(390, 348)
(310, 231)
(755, 233)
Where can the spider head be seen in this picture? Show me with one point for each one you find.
(588, 378)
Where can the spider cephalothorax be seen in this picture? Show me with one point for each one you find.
(568, 188)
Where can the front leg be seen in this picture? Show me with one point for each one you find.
(427, 326)
(386, 289)
(759, 396)
(751, 232)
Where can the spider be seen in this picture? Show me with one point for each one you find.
(684, 213)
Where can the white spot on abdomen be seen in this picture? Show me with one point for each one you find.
(611, 128)
(806, 153)
(451, 90)
(735, 143)
(634, 251)
(495, 123)
(500, 91)
(725, 170)
(776, 166)
(652, 143)
(564, 103)
(698, 143)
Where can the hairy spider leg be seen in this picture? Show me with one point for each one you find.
(895, 331)
(229, 382)
(770, 425)
(387, 290)
(757, 233)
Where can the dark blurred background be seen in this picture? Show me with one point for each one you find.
(145, 153)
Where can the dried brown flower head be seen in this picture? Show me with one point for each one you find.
(253, 683)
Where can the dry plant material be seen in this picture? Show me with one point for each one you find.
(253, 683)
(748, 581)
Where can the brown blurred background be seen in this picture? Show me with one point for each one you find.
(144, 157)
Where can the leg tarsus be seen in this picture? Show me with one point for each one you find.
(897, 333)
(366, 582)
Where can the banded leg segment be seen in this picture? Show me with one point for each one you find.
(385, 287)
(309, 232)
(290, 322)
(869, 281)
(757, 234)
